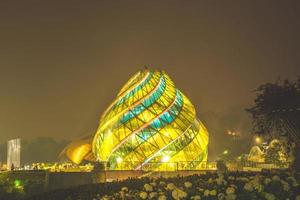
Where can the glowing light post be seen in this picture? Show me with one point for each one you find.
(225, 152)
(119, 162)
(258, 140)
(165, 160)
(233, 134)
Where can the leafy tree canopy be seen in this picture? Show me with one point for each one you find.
(277, 108)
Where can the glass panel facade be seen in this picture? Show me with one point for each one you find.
(150, 121)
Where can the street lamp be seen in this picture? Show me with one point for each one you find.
(225, 152)
(258, 140)
(165, 159)
(119, 160)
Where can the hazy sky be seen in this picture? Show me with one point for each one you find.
(62, 62)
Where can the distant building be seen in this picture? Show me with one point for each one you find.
(14, 153)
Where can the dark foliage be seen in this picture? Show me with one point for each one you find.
(96, 191)
(41, 149)
(276, 109)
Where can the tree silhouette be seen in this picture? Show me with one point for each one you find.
(277, 108)
(276, 112)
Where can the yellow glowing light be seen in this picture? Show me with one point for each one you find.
(165, 158)
(119, 160)
(258, 140)
(226, 152)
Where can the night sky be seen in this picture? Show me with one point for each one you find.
(63, 62)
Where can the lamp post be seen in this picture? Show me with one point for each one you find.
(258, 140)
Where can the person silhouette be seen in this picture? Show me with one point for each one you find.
(12, 167)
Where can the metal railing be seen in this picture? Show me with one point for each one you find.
(162, 166)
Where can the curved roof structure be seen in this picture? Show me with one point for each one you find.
(256, 154)
(150, 121)
(79, 150)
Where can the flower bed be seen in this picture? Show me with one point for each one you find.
(230, 186)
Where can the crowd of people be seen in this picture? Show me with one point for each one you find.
(269, 185)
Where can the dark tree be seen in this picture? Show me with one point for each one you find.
(272, 153)
(276, 110)
(41, 149)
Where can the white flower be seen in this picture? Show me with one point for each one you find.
(122, 194)
(286, 186)
(230, 197)
(270, 196)
(297, 197)
(152, 195)
(221, 196)
(210, 180)
(267, 181)
(243, 179)
(231, 178)
(293, 181)
(178, 194)
(105, 198)
(206, 193)
(295, 184)
(276, 178)
(124, 189)
(213, 192)
(257, 186)
(291, 178)
(162, 197)
(219, 181)
(248, 187)
(196, 197)
(171, 186)
(188, 184)
(230, 190)
(225, 182)
(148, 187)
(143, 195)
(162, 183)
(153, 184)
(220, 174)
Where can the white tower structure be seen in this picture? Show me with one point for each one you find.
(14, 153)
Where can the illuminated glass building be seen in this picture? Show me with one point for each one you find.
(150, 122)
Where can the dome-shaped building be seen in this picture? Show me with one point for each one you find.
(150, 123)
